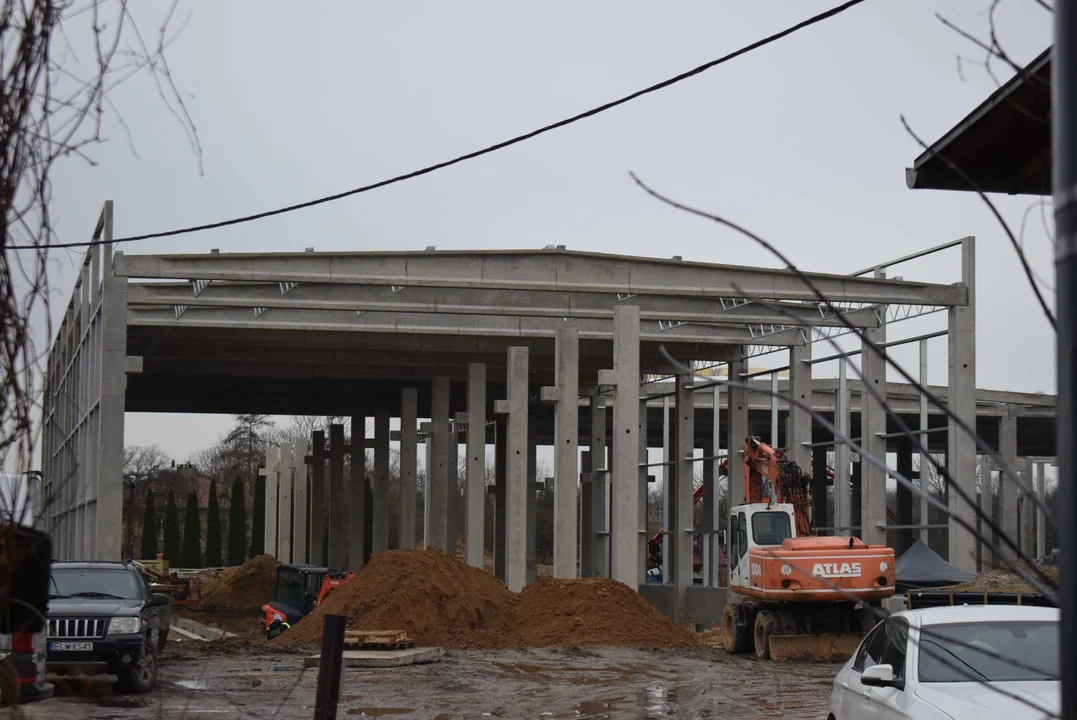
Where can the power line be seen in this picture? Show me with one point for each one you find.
(471, 155)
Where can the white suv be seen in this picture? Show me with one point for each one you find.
(968, 661)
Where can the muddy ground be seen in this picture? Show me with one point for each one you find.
(198, 682)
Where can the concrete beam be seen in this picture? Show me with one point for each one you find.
(290, 318)
(475, 500)
(555, 271)
(468, 301)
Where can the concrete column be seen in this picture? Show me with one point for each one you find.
(987, 507)
(1028, 505)
(356, 494)
(338, 531)
(1007, 490)
(501, 461)
(737, 400)
(566, 452)
(644, 478)
(368, 518)
(800, 420)
(381, 481)
(452, 491)
(475, 503)
(668, 473)
(714, 513)
(409, 464)
(428, 457)
(1041, 528)
(856, 519)
(961, 447)
(300, 525)
(516, 475)
(587, 529)
(625, 564)
(872, 426)
(681, 495)
(599, 490)
(318, 519)
(843, 497)
(818, 489)
(925, 462)
(106, 528)
(284, 503)
(903, 539)
(532, 499)
(707, 528)
(438, 471)
(272, 479)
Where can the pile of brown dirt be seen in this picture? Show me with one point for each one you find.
(440, 600)
(437, 599)
(1003, 580)
(598, 611)
(245, 587)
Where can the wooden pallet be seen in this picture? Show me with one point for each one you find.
(377, 640)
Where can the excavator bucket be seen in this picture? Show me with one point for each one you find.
(818, 648)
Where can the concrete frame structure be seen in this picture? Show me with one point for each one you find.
(419, 334)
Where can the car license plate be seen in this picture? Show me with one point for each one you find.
(71, 646)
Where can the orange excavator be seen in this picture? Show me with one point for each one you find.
(795, 595)
(300, 588)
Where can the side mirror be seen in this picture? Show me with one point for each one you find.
(878, 676)
(721, 538)
(160, 600)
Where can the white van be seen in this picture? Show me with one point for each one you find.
(24, 653)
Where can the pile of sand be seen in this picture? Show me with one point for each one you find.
(245, 587)
(440, 600)
(598, 611)
(1003, 580)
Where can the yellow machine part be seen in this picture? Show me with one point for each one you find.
(817, 648)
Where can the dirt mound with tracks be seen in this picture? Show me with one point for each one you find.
(244, 587)
(437, 599)
(442, 601)
(1003, 580)
(552, 612)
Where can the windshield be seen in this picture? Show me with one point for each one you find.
(101, 582)
(988, 652)
(770, 528)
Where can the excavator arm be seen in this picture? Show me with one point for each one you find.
(770, 475)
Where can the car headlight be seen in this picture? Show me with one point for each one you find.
(124, 626)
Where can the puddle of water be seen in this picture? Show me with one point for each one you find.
(193, 684)
(379, 712)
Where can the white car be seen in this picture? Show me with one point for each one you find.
(970, 661)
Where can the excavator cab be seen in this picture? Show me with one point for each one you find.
(300, 588)
(758, 525)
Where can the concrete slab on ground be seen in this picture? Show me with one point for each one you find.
(382, 658)
(202, 632)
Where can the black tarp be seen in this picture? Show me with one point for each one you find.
(921, 567)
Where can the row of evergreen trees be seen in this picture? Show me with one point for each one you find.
(184, 548)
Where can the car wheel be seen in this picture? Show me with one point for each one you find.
(142, 676)
(766, 626)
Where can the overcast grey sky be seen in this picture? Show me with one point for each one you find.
(799, 141)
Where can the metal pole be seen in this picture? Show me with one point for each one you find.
(330, 668)
(1064, 151)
